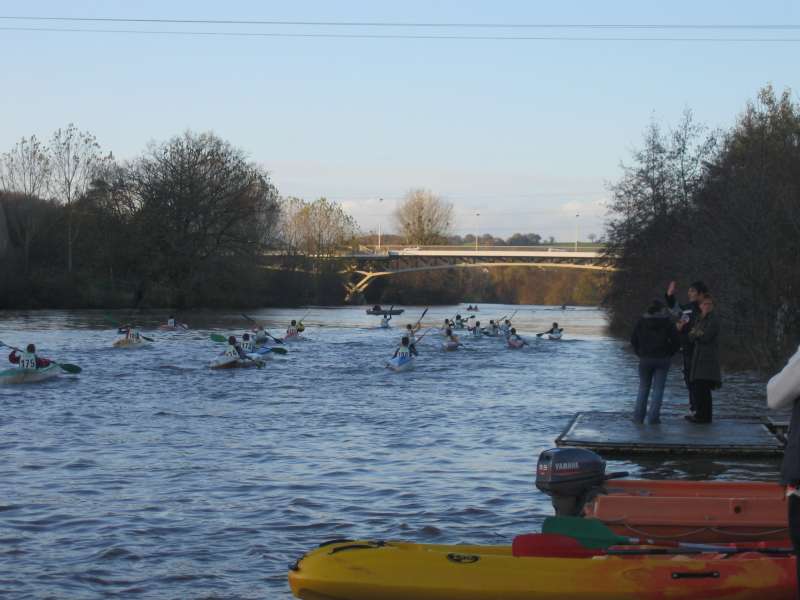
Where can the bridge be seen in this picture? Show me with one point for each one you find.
(370, 263)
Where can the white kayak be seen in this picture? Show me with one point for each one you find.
(554, 336)
(450, 345)
(294, 338)
(398, 364)
(17, 375)
(226, 362)
(129, 344)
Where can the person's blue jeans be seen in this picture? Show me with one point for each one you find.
(652, 376)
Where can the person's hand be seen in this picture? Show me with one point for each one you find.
(680, 325)
(671, 288)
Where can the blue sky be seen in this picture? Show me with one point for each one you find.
(526, 133)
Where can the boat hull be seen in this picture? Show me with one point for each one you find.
(693, 511)
(18, 376)
(362, 570)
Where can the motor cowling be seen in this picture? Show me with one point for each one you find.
(570, 476)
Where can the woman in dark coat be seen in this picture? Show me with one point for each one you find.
(655, 340)
(705, 374)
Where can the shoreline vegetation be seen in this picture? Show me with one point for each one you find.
(189, 224)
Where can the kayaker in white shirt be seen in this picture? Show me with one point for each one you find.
(385, 321)
(247, 344)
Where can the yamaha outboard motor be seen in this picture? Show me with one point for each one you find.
(571, 477)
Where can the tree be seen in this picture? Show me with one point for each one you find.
(316, 229)
(76, 159)
(424, 218)
(24, 176)
(198, 199)
(592, 237)
(525, 239)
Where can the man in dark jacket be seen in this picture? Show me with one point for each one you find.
(783, 391)
(689, 314)
(655, 340)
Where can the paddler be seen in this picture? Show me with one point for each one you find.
(554, 330)
(513, 337)
(447, 326)
(411, 330)
(28, 359)
(451, 336)
(292, 329)
(406, 349)
(247, 344)
(505, 328)
(476, 331)
(233, 350)
(494, 329)
(171, 322)
(261, 334)
(459, 322)
(385, 321)
(471, 323)
(131, 333)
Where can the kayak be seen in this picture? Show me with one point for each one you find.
(294, 338)
(366, 570)
(693, 511)
(450, 345)
(385, 325)
(516, 344)
(178, 327)
(394, 312)
(225, 362)
(398, 364)
(553, 336)
(17, 375)
(129, 344)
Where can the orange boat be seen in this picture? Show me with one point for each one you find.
(692, 511)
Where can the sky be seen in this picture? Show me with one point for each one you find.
(520, 135)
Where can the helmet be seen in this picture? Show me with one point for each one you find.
(30, 348)
(232, 340)
(245, 336)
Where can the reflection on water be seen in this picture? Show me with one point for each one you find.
(149, 476)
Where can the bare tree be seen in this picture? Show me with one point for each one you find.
(76, 159)
(24, 176)
(316, 228)
(424, 218)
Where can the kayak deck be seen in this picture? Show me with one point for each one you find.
(366, 570)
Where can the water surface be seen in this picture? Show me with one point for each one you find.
(150, 476)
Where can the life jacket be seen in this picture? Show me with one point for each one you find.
(291, 332)
(27, 360)
(171, 322)
(476, 332)
(412, 339)
(231, 352)
(247, 345)
(404, 352)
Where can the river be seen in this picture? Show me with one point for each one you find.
(151, 476)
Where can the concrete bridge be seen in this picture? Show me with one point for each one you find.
(370, 263)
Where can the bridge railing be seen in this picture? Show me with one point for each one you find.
(385, 250)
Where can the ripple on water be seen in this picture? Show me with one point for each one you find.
(152, 477)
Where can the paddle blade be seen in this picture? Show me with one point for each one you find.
(278, 350)
(550, 544)
(114, 322)
(149, 339)
(589, 532)
(216, 337)
(252, 320)
(74, 369)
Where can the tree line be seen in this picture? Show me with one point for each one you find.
(722, 206)
(186, 223)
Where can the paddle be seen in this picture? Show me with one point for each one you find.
(117, 325)
(216, 337)
(562, 546)
(422, 316)
(277, 340)
(67, 367)
(592, 533)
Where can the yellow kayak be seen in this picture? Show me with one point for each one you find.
(364, 570)
(124, 342)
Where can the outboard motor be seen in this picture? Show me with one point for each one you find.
(571, 477)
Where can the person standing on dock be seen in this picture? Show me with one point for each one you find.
(705, 373)
(688, 314)
(655, 340)
(783, 391)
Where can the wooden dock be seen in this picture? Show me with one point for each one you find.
(616, 434)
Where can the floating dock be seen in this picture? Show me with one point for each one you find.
(612, 433)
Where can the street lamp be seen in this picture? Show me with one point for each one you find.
(576, 231)
(380, 205)
(477, 224)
